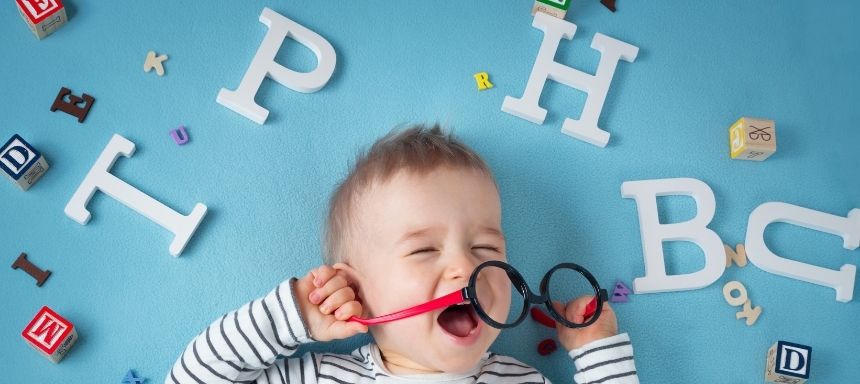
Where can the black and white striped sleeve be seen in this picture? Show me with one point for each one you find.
(608, 361)
(240, 346)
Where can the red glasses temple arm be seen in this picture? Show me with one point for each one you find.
(432, 305)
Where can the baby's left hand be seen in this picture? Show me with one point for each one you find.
(572, 338)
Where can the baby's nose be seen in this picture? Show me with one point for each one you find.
(461, 266)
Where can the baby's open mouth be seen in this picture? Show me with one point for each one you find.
(459, 319)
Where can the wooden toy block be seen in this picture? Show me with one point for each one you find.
(749, 312)
(788, 363)
(547, 347)
(619, 292)
(156, 62)
(21, 163)
(71, 107)
(483, 80)
(738, 255)
(31, 269)
(130, 378)
(50, 334)
(179, 135)
(609, 4)
(42, 16)
(556, 8)
(752, 139)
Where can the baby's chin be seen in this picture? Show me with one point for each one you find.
(436, 350)
(455, 356)
(458, 364)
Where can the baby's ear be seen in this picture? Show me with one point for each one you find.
(353, 277)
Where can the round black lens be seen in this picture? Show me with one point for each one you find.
(565, 285)
(499, 298)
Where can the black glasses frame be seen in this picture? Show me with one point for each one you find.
(530, 298)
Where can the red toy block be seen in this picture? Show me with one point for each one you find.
(42, 16)
(50, 334)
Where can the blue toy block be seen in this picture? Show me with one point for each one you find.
(21, 163)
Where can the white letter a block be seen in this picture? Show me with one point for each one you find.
(242, 99)
(597, 85)
(100, 178)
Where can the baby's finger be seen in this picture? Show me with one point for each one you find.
(336, 299)
(322, 275)
(344, 329)
(577, 309)
(352, 308)
(331, 286)
(565, 310)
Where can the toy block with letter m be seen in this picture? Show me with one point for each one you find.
(50, 334)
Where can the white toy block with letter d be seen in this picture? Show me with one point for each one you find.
(21, 163)
(50, 334)
(42, 16)
(788, 363)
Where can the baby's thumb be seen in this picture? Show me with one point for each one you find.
(345, 329)
(559, 307)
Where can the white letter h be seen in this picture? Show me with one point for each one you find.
(597, 85)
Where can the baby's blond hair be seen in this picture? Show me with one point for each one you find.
(418, 149)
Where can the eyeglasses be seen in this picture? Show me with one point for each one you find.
(496, 281)
(760, 132)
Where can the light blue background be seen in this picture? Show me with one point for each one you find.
(701, 65)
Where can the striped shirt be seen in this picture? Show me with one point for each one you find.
(254, 344)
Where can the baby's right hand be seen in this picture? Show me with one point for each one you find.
(327, 301)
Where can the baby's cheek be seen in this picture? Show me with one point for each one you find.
(397, 293)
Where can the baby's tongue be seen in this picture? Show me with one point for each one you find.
(457, 321)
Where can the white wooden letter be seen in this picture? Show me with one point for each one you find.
(100, 178)
(242, 99)
(645, 193)
(846, 227)
(597, 85)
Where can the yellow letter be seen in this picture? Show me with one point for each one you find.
(482, 78)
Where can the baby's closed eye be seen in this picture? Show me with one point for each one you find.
(423, 250)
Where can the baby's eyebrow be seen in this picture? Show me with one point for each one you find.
(424, 231)
(494, 231)
(416, 233)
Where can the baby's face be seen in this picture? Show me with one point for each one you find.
(418, 238)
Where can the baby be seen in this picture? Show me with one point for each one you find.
(411, 222)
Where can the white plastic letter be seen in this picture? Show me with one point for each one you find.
(242, 99)
(597, 85)
(846, 227)
(645, 193)
(100, 178)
